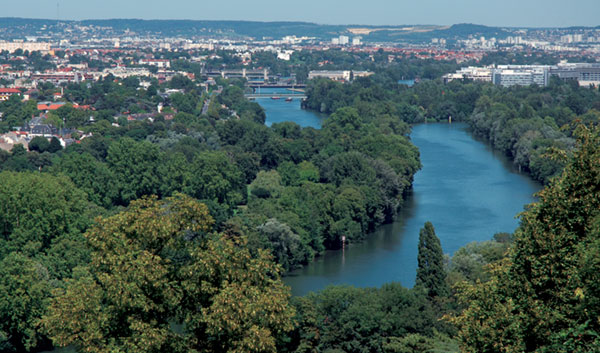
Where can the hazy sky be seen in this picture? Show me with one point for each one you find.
(516, 13)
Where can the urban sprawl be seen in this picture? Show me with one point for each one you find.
(87, 54)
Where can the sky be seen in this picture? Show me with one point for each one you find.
(510, 13)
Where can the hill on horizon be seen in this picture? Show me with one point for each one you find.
(13, 27)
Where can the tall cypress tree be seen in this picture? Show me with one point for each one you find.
(431, 275)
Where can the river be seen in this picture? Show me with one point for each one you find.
(278, 110)
(468, 191)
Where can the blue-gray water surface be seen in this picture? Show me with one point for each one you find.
(278, 110)
(468, 191)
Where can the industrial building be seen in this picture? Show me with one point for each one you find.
(521, 75)
(524, 75)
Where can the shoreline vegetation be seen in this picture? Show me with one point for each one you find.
(190, 218)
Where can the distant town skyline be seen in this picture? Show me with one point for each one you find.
(508, 13)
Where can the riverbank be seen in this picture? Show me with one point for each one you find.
(465, 188)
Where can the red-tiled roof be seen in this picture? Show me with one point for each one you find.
(9, 90)
(49, 106)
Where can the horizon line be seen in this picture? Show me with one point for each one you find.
(290, 21)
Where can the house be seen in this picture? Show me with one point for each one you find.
(46, 130)
(332, 75)
(10, 139)
(48, 106)
(160, 63)
(6, 93)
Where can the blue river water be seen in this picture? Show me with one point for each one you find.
(278, 110)
(468, 191)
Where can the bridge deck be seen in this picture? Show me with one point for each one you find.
(279, 95)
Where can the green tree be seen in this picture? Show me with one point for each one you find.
(90, 175)
(287, 247)
(431, 274)
(160, 281)
(54, 145)
(136, 168)
(361, 320)
(39, 144)
(24, 286)
(267, 184)
(545, 296)
(214, 177)
(37, 208)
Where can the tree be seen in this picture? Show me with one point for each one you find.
(214, 177)
(37, 208)
(54, 145)
(267, 184)
(348, 319)
(431, 275)
(287, 247)
(135, 166)
(90, 175)
(24, 286)
(39, 144)
(545, 297)
(159, 281)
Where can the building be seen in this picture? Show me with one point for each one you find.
(356, 74)
(6, 93)
(10, 139)
(11, 47)
(160, 63)
(521, 75)
(60, 77)
(123, 72)
(48, 106)
(284, 54)
(504, 75)
(332, 75)
(344, 76)
(471, 73)
(586, 74)
(341, 40)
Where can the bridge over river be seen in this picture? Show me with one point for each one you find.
(292, 95)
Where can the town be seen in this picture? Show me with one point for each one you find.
(40, 63)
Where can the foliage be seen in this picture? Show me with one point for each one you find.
(155, 267)
(90, 175)
(24, 287)
(36, 209)
(431, 275)
(522, 122)
(351, 319)
(41, 221)
(136, 169)
(544, 297)
(39, 144)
